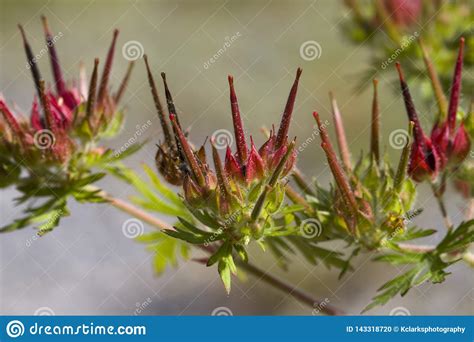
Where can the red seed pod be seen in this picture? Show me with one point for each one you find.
(255, 167)
(424, 161)
(453, 144)
(250, 165)
(460, 147)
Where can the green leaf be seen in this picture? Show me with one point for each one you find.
(114, 126)
(412, 233)
(426, 266)
(242, 252)
(165, 248)
(150, 199)
(458, 239)
(400, 284)
(186, 236)
(225, 273)
(162, 188)
(224, 250)
(47, 216)
(193, 229)
(400, 259)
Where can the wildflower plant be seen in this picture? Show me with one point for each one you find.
(56, 153)
(370, 206)
(235, 201)
(223, 204)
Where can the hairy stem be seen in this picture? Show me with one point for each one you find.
(292, 291)
(467, 256)
(269, 279)
(470, 209)
(296, 198)
(137, 212)
(416, 248)
(301, 182)
(442, 207)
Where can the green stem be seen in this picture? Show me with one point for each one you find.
(301, 182)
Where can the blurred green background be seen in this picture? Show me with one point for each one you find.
(87, 266)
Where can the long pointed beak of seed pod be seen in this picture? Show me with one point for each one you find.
(238, 127)
(375, 125)
(91, 98)
(341, 134)
(53, 55)
(455, 89)
(336, 169)
(435, 82)
(107, 69)
(124, 83)
(188, 153)
(32, 63)
(159, 107)
(410, 106)
(286, 118)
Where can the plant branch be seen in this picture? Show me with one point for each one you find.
(269, 279)
(416, 248)
(467, 256)
(470, 209)
(296, 198)
(442, 207)
(136, 212)
(292, 291)
(301, 182)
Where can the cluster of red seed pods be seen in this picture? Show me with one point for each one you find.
(62, 109)
(449, 143)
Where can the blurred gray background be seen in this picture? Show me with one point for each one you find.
(87, 266)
